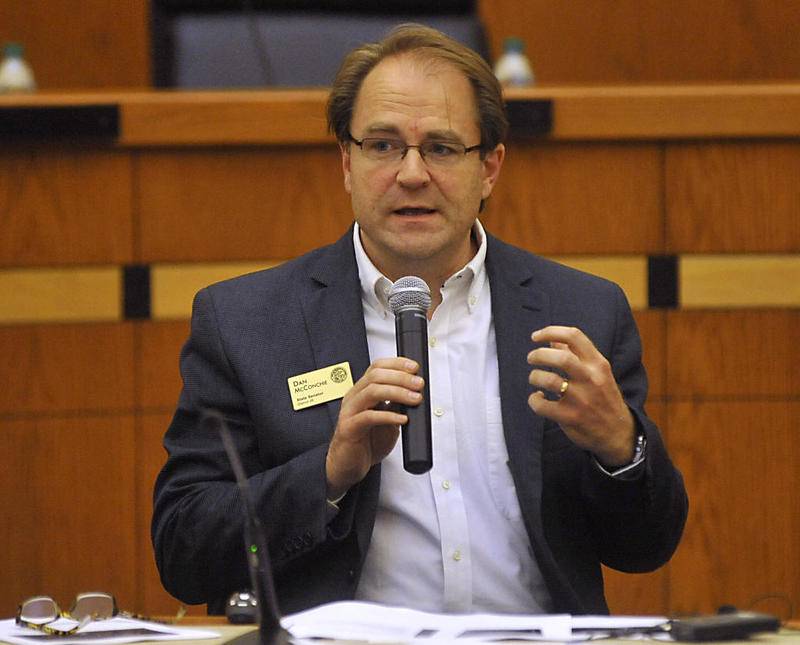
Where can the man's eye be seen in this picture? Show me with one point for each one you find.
(382, 146)
(441, 149)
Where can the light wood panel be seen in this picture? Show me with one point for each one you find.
(69, 528)
(628, 271)
(173, 286)
(573, 198)
(739, 460)
(51, 196)
(240, 204)
(630, 41)
(739, 281)
(60, 295)
(92, 43)
(51, 369)
(740, 354)
(732, 197)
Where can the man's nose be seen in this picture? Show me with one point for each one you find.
(413, 170)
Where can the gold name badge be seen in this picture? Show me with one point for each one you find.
(320, 386)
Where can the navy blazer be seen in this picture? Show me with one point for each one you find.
(250, 334)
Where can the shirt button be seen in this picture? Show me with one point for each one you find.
(472, 300)
(457, 555)
(432, 341)
(446, 484)
(438, 412)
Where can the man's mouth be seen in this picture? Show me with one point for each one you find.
(414, 210)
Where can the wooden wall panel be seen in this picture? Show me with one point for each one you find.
(157, 368)
(630, 41)
(646, 593)
(652, 329)
(579, 198)
(739, 459)
(739, 354)
(150, 457)
(51, 369)
(733, 197)
(86, 44)
(240, 204)
(69, 527)
(49, 199)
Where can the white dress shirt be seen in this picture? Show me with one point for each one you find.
(453, 539)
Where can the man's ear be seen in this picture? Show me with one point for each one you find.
(344, 149)
(492, 163)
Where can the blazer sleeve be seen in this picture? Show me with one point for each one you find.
(197, 525)
(637, 524)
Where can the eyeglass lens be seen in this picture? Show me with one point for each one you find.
(94, 605)
(39, 610)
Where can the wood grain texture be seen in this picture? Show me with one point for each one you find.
(88, 44)
(150, 457)
(739, 460)
(573, 198)
(629, 41)
(173, 286)
(739, 281)
(733, 197)
(628, 271)
(52, 369)
(646, 593)
(70, 527)
(231, 118)
(50, 197)
(580, 113)
(736, 354)
(652, 325)
(157, 368)
(60, 295)
(240, 204)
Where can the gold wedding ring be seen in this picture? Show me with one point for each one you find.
(564, 386)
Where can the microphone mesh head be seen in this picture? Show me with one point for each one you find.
(409, 291)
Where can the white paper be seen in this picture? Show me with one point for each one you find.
(102, 632)
(381, 624)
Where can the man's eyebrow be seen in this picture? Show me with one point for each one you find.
(382, 128)
(443, 135)
(393, 130)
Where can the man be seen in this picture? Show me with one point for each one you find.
(528, 494)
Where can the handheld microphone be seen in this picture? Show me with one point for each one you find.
(409, 299)
(270, 631)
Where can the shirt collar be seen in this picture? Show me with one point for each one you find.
(375, 286)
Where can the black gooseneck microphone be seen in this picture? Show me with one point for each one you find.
(270, 631)
(409, 299)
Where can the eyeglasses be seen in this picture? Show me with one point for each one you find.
(39, 611)
(437, 153)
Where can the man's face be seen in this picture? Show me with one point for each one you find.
(413, 213)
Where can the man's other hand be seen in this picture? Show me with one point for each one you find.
(590, 410)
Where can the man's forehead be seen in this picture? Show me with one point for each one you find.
(434, 92)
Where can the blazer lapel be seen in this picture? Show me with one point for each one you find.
(333, 313)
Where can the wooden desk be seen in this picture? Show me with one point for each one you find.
(297, 117)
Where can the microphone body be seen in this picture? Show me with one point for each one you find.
(411, 334)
